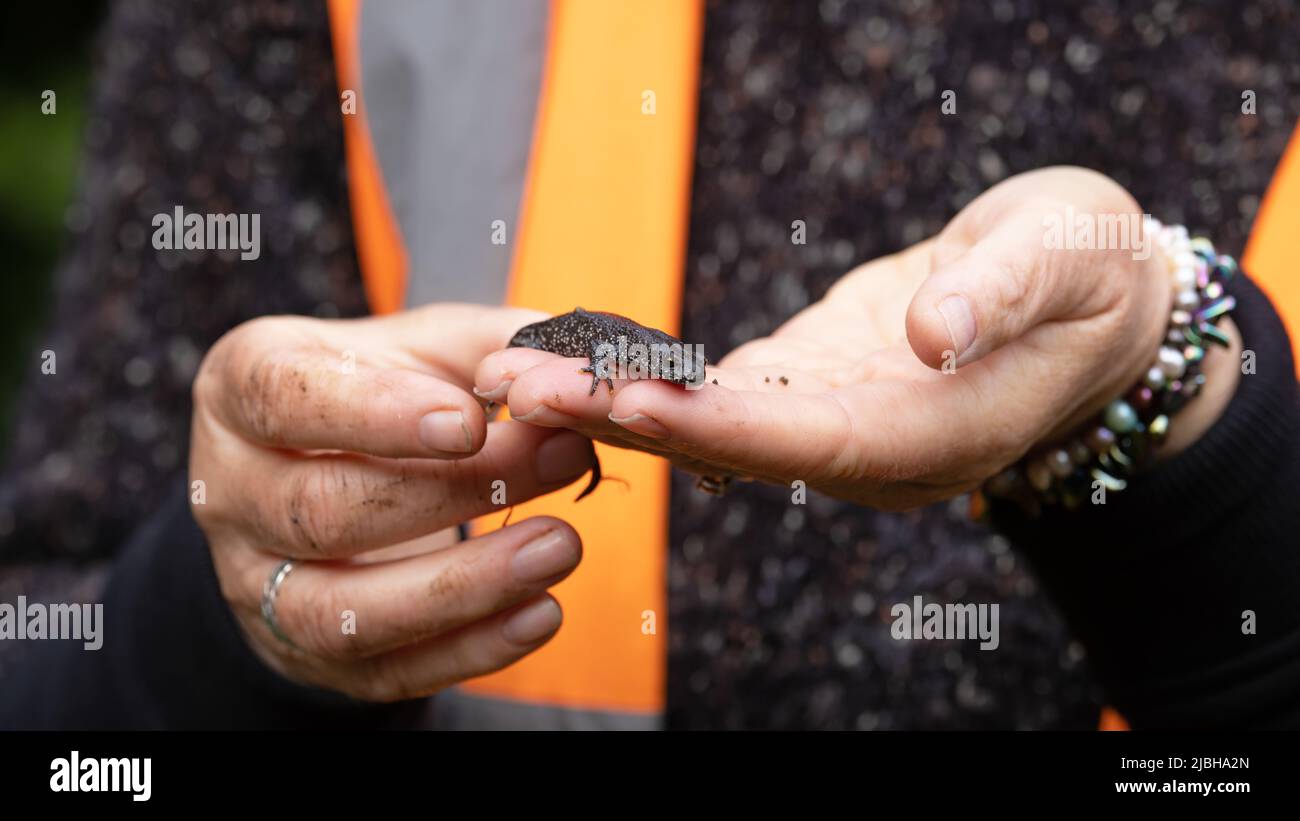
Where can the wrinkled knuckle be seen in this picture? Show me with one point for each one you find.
(315, 523)
(336, 612)
(452, 584)
(322, 627)
(257, 364)
(469, 484)
(266, 393)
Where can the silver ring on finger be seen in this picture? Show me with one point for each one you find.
(270, 592)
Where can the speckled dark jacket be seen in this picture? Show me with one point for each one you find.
(822, 111)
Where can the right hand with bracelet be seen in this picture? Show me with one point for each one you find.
(921, 375)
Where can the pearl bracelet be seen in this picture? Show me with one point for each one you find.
(1120, 441)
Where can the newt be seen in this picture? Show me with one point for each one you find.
(602, 337)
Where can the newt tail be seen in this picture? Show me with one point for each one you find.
(595, 480)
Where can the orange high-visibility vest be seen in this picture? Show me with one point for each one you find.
(608, 190)
(604, 221)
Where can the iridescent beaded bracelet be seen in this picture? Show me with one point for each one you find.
(1120, 441)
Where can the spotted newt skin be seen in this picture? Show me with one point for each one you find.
(584, 333)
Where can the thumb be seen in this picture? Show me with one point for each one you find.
(993, 292)
(452, 338)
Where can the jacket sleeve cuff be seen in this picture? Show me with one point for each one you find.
(180, 659)
(1156, 581)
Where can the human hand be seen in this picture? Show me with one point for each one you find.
(919, 375)
(354, 448)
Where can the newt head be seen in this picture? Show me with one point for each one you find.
(684, 365)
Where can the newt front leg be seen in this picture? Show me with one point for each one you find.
(598, 367)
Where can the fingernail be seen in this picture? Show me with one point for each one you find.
(496, 394)
(545, 557)
(547, 417)
(533, 623)
(960, 320)
(563, 457)
(641, 424)
(445, 430)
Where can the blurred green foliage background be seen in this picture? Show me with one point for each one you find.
(43, 46)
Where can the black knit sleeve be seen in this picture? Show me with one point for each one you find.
(1185, 588)
(217, 106)
(172, 656)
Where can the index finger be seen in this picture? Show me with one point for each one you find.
(943, 432)
(306, 401)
